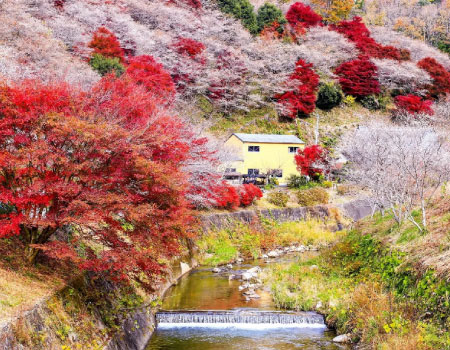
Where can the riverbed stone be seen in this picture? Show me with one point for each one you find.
(230, 266)
(247, 276)
(216, 270)
(273, 254)
(343, 338)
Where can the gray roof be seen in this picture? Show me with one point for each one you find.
(268, 138)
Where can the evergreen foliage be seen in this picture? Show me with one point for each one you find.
(268, 14)
(329, 96)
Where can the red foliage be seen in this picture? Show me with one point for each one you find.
(190, 47)
(299, 13)
(302, 99)
(195, 4)
(356, 31)
(248, 193)
(227, 197)
(145, 71)
(358, 77)
(59, 4)
(96, 160)
(105, 43)
(413, 104)
(312, 160)
(441, 77)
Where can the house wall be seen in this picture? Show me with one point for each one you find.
(270, 156)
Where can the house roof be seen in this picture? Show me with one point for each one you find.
(267, 138)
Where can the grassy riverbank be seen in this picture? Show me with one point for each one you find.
(220, 246)
(370, 288)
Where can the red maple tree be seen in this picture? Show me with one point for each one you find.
(145, 71)
(441, 77)
(312, 160)
(413, 105)
(248, 193)
(301, 14)
(226, 197)
(357, 32)
(358, 77)
(302, 98)
(105, 43)
(106, 164)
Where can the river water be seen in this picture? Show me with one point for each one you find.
(204, 290)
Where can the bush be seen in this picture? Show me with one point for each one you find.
(370, 102)
(441, 77)
(349, 100)
(327, 184)
(302, 99)
(227, 197)
(268, 14)
(104, 65)
(248, 193)
(243, 10)
(358, 77)
(374, 103)
(329, 96)
(413, 105)
(297, 181)
(312, 196)
(105, 43)
(303, 15)
(278, 198)
(356, 31)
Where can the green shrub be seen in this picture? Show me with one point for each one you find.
(104, 65)
(312, 196)
(278, 198)
(373, 103)
(243, 10)
(296, 181)
(329, 96)
(269, 13)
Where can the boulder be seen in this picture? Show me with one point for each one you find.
(273, 254)
(247, 276)
(343, 338)
(216, 270)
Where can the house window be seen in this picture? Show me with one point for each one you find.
(253, 172)
(253, 148)
(230, 170)
(293, 149)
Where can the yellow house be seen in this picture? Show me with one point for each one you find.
(260, 154)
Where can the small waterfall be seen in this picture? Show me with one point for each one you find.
(251, 319)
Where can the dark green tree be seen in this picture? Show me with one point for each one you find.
(269, 13)
(243, 10)
(329, 96)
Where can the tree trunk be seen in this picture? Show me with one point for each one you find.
(35, 235)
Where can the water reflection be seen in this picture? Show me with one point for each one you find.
(203, 290)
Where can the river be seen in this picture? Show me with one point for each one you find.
(204, 290)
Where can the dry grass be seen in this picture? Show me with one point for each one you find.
(22, 285)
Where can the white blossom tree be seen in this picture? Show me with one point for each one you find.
(403, 166)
